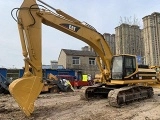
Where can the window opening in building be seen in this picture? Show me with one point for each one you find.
(92, 61)
(75, 60)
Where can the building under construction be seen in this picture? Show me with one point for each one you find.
(110, 38)
(129, 40)
(151, 32)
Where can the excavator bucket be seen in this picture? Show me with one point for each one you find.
(25, 91)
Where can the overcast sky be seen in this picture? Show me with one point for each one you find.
(104, 15)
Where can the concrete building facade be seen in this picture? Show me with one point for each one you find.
(151, 34)
(110, 38)
(129, 40)
(83, 62)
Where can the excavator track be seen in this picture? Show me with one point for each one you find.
(86, 92)
(117, 96)
(126, 95)
(95, 91)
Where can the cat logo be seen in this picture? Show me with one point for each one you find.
(70, 27)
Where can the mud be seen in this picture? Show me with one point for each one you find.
(69, 106)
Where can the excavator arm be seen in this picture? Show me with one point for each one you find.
(30, 17)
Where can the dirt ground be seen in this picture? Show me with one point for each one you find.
(69, 106)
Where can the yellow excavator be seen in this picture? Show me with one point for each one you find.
(122, 81)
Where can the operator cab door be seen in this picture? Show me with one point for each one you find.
(122, 66)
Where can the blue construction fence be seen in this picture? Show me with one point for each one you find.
(5, 74)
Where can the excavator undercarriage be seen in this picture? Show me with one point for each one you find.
(117, 96)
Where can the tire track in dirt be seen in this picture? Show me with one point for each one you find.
(68, 106)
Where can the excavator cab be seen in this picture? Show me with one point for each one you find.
(122, 66)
